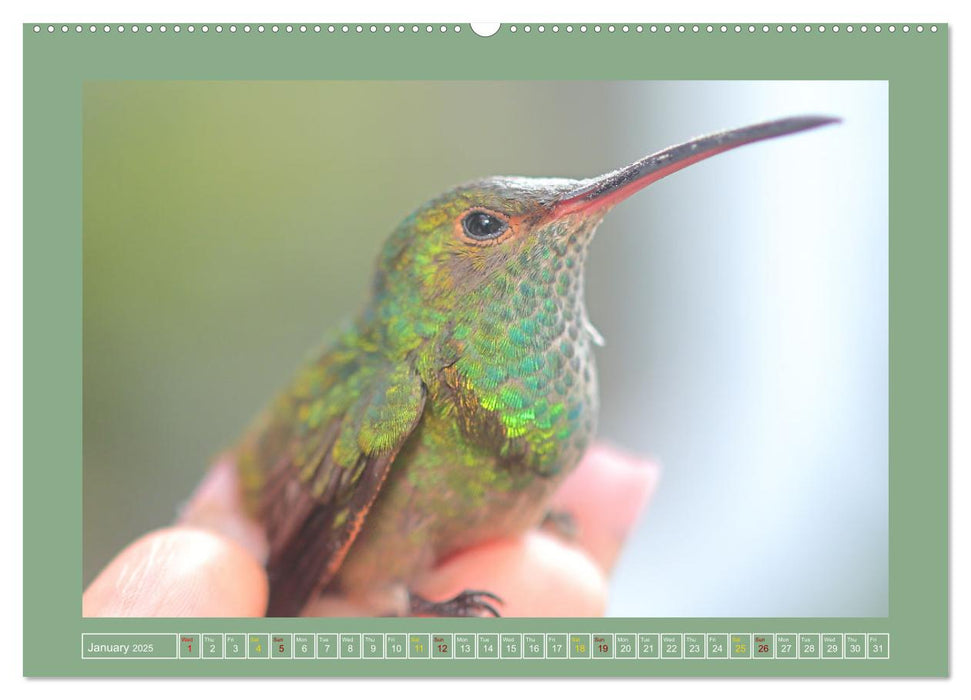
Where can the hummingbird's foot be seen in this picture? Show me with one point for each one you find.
(465, 604)
(562, 523)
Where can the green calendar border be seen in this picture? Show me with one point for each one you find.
(915, 63)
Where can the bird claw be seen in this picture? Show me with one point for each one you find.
(465, 604)
(561, 523)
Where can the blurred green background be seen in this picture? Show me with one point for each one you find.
(229, 225)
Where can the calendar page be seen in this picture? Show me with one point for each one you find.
(464, 350)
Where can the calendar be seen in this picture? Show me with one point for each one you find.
(625, 647)
(750, 478)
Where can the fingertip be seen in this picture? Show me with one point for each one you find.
(179, 572)
(217, 505)
(605, 455)
(606, 495)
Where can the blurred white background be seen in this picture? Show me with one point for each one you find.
(750, 292)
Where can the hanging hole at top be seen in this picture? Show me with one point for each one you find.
(485, 28)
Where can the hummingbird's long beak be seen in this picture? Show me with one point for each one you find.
(600, 193)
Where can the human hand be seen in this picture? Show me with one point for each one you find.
(209, 563)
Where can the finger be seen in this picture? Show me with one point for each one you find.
(217, 505)
(605, 495)
(179, 572)
(331, 605)
(536, 576)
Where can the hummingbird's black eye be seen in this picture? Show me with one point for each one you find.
(482, 226)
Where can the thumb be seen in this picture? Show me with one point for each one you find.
(179, 572)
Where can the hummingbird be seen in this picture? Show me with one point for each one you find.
(459, 398)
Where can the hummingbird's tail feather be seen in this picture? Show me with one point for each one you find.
(303, 564)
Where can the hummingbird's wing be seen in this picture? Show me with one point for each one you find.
(324, 452)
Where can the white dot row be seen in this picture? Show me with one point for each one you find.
(723, 28)
(415, 28)
(247, 28)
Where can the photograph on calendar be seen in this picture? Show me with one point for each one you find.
(482, 349)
